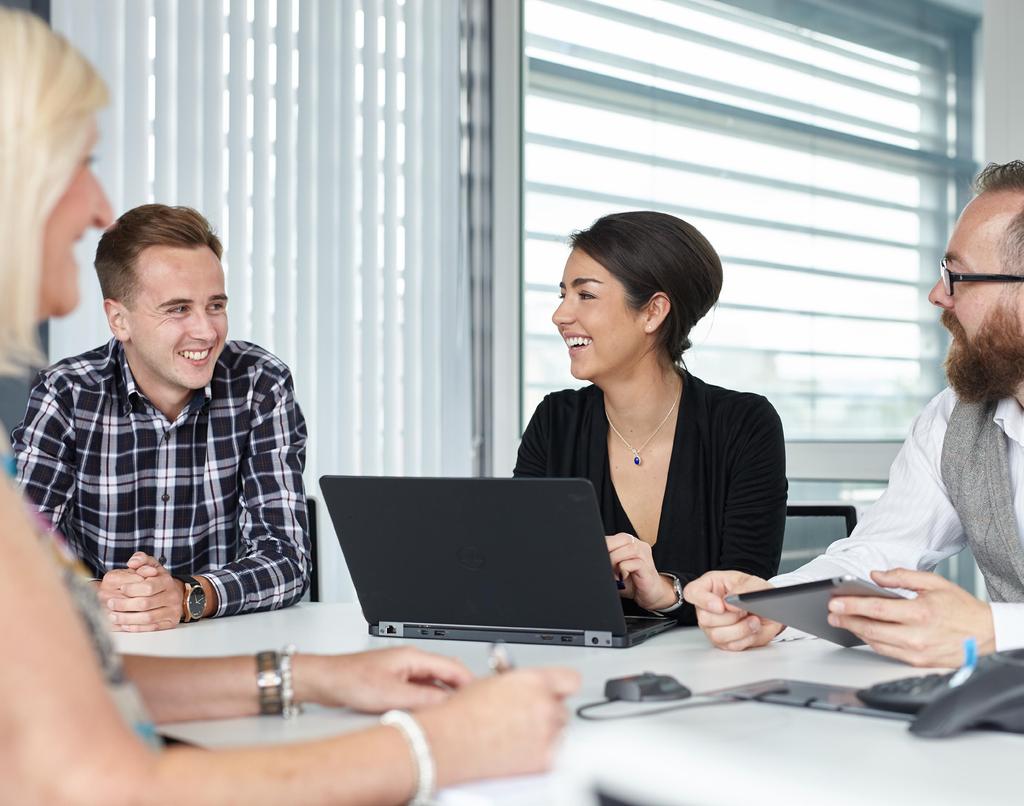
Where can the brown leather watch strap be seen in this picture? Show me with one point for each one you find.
(190, 583)
(186, 616)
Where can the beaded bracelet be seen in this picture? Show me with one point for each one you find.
(275, 683)
(289, 708)
(426, 773)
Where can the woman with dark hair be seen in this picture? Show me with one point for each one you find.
(690, 477)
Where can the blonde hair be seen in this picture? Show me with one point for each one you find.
(49, 95)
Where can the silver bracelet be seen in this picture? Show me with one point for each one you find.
(678, 587)
(289, 708)
(268, 682)
(426, 774)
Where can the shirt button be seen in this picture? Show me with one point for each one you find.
(165, 498)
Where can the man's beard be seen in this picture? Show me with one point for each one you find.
(991, 366)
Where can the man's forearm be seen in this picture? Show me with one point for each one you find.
(257, 582)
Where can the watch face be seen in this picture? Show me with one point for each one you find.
(196, 602)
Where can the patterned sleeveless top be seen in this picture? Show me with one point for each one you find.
(83, 597)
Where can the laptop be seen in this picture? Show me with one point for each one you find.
(517, 560)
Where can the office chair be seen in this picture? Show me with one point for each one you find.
(314, 567)
(810, 528)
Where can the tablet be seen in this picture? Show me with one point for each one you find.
(805, 606)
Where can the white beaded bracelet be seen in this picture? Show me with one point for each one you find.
(289, 708)
(417, 739)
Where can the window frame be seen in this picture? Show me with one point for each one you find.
(807, 460)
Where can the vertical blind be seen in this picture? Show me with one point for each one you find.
(823, 147)
(321, 139)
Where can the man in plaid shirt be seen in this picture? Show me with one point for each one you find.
(171, 458)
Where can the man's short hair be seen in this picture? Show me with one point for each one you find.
(139, 229)
(1006, 176)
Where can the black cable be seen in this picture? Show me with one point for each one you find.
(581, 711)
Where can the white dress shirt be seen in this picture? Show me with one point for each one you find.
(914, 524)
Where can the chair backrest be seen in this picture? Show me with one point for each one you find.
(810, 528)
(314, 567)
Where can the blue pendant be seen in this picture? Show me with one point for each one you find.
(636, 458)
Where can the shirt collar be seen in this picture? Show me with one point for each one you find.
(133, 393)
(1009, 416)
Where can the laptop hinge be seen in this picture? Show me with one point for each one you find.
(597, 638)
(393, 628)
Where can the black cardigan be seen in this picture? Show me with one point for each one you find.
(725, 497)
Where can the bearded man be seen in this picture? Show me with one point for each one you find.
(958, 480)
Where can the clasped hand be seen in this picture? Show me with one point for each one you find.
(142, 597)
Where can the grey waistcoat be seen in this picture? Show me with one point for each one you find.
(976, 472)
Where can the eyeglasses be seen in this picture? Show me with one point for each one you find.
(951, 277)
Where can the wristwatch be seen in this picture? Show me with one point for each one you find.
(193, 605)
(268, 682)
(677, 586)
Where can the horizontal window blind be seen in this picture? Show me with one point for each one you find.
(322, 141)
(822, 149)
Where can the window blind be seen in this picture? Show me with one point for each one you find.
(822, 147)
(321, 139)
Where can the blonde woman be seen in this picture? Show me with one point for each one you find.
(75, 717)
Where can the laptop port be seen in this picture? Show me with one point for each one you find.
(547, 638)
(566, 639)
(439, 633)
(390, 630)
(424, 632)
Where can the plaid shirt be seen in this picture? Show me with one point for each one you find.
(218, 492)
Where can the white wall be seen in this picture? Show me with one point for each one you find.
(1002, 59)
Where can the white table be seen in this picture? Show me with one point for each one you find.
(731, 753)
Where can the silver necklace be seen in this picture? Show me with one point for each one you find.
(636, 451)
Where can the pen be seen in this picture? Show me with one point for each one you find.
(970, 661)
(499, 660)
